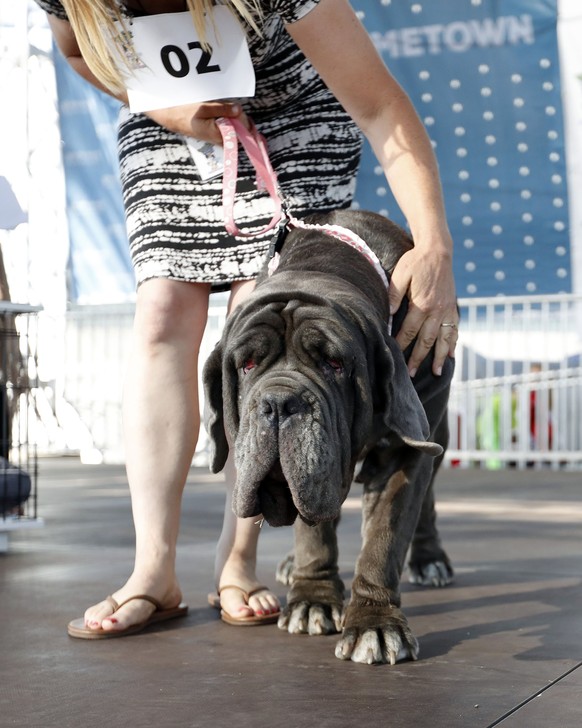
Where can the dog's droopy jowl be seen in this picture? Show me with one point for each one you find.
(307, 382)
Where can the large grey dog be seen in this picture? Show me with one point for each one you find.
(308, 384)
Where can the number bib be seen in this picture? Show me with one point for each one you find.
(170, 67)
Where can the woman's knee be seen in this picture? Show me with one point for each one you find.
(238, 292)
(167, 310)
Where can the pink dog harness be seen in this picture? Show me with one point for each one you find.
(253, 142)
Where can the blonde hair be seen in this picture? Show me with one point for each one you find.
(103, 43)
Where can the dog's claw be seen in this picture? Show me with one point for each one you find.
(298, 619)
(284, 571)
(363, 648)
(368, 650)
(314, 619)
(345, 647)
(399, 649)
(376, 646)
(337, 616)
(435, 574)
(318, 622)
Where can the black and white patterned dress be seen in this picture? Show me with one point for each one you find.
(174, 220)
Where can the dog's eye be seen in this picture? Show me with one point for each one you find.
(335, 364)
(248, 365)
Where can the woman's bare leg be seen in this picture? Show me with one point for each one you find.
(161, 425)
(236, 553)
(236, 559)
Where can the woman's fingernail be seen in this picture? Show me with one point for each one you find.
(412, 373)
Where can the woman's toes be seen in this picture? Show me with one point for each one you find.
(233, 603)
(95, 615)
(133, 612)
(264, 603)
(107, 616)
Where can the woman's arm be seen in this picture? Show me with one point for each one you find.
(196, 120)
(338, 46)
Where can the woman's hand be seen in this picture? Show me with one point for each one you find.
(352, 69)
(197, 120)
(425, 275)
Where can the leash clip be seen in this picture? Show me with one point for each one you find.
(278, 240)
(274, 254)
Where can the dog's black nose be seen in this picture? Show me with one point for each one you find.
(279, 406)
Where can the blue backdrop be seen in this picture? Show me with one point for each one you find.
(99, 267)
(484, 77)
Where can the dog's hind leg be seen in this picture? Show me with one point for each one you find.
(428, 563)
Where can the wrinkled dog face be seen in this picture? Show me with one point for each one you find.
(293, 374)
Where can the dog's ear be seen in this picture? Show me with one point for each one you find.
(403, 413)
(214, 409)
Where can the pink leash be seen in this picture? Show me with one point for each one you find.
(253, 142)
(255, 146)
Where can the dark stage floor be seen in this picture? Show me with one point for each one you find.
(502, 646)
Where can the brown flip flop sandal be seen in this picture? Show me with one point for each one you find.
(78, 629)
(253, 620)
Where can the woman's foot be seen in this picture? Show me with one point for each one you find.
(260, 616)
(238, 573)
(103, 616)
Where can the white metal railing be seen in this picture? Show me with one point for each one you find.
(516, 398)
(517, 394)
(97, 347)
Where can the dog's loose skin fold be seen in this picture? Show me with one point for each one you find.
(306, 382)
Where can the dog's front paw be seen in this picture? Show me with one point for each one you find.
(376, 646)
(377, 636)
(314, 606)
(306, 618)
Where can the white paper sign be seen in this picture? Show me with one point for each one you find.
(208, 157)
(170, 67)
